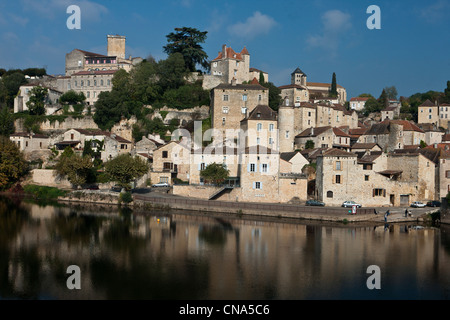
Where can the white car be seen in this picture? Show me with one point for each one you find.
(418, 204)
(161, 184)
(349, 204)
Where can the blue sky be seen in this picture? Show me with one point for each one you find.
(410, 51)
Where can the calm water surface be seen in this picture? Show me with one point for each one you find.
(128, 255)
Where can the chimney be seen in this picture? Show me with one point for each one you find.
(224, 51)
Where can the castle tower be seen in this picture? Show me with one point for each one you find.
(116, 46)
(298, 77)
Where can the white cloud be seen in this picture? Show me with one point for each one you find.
(255, 25)
(90, 10)
(334, 25)
(436, 11)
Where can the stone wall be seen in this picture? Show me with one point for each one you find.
(86, 122)
(46, 177)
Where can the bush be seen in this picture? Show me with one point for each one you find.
(43, 192)
(126, 197)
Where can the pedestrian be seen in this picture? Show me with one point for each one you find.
(385, 216)
(375, 211)
(406, 212)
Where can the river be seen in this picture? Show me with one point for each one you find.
(123, 254)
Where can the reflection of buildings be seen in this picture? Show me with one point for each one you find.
(234, 258)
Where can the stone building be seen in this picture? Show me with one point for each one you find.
(323, 137)
(358, 103)
(80, 60)
(229, 65)
(231, 103)
(376, 179)
(23, 96)
(91, 83)
(393, 134)
(260, 127)
(171, 161)
(30, 142)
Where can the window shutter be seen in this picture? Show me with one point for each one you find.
(260, 185)
(268, 166)
(334, 179)
(199, 167)
(254, 185)
(248, 167)
(373, 192)
(384, 192)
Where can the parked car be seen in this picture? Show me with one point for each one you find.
(161, 184)
(417, 204)
(434, 203)
(315, 203)
(116, 188)
(349, 204)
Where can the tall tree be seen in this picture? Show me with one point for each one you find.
(383, 100)
(74, 167)
(447, 93)
(9, 86)
(187, 41)
(391, 92)
(36, 103)
(6, 121)
(261, 78)
(274, 95)
(333, 89)
(12, 164)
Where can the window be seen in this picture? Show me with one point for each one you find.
(447, 174)
(82, 82)
(95, 83)
(271, 127)
(252, 167)
(244, 97)
(89, 83)
(264, 168)
(164, 179)
(366, 177)
(202, 166)
(225, 97)
(338, 178)
(367, 166)
(329, 194)
(379, 192)
(287, 134)
(165, 154)
(79, 63)
(338, 165)
(223, 121)
(88, 94)
(259, 97)
(243, 110)
(71, 136)
(214, 64)
(259, 127)
(101, 82)
(258, 141)
(225, 109)
(270, 141)
(258, 185)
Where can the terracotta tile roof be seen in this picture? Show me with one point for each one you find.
(91, 54)
(287, 156)
(407, 125)
(98, 72)
(290, 86)
(231, 54)
(357, 132)
(359, 99)
(446, 137)
(338, 132)
(321, 84)
(364, 145)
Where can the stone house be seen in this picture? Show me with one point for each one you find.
(292, 162)
(23, 96)
(393, 134)
(428, 112)
(231, 103)
(323, 137)
(171, 161)
(30, 142)
(363, 147)
(444, 176)
(260, 127)
(376, 179)
(263, 180)
(358, 103)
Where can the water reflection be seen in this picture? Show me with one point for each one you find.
(128, 255)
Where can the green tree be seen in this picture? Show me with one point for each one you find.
(383, 100)
(72, 97)
(215, 173)
(6, 121)
(309, 144)
(447, 93)
(172, 71)
(187, 41)
(76, 168)
(12, 163)
(391, 92)
(274, 95)
(261, 78)
(124, 169)
(372, 106)
(9, 87)
(36, 103)
(333, 89)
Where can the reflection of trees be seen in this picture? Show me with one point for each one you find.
(150, 278)
(213, 235)
(75, 228)
(12, 218)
